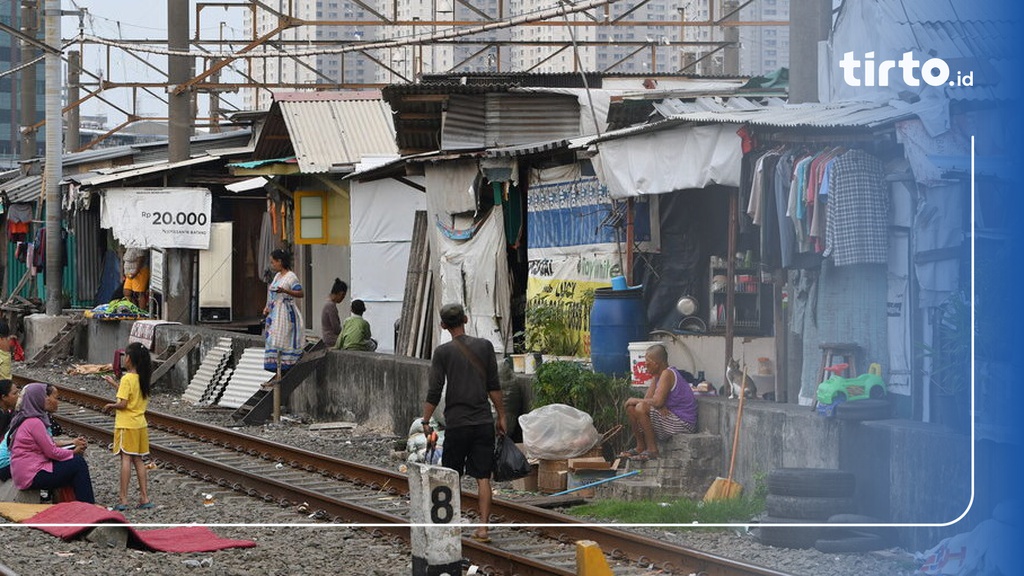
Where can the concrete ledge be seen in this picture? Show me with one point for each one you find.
(39, 330)
(10, 493)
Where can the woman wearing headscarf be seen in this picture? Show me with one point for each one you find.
(36, 462)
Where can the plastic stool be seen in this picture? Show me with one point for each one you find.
(829, 352)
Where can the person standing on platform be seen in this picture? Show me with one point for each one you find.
(284, 328)
(470, 368)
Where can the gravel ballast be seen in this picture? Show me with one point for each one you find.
(317, 548)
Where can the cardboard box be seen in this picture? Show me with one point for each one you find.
(591, 463)
(527, 483)
(553, 465)
(551, 482)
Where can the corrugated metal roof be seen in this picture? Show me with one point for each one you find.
(864, 115)
(106, 176)
(329, 132)
(967, 35)
(210, 370)
(24, 189)
(246, 379)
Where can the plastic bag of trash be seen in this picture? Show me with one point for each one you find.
(417, 440)
(421, 456)
(557, 431)
(509, 462)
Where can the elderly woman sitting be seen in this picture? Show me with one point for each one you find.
(36, 462)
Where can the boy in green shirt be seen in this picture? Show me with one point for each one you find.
(355, 332)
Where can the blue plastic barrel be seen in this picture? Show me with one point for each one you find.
(617, 318)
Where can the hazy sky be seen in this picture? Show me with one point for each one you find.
(140, 19)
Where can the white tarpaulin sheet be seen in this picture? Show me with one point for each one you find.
(383, 210)
(158, 217)
(672, 159)
(472, 271)
(381, 236)
(379, 270)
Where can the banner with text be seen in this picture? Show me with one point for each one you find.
(565, 282)
(158, 217)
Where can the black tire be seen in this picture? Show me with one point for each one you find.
(868, 409)
(808, 507)
(877, 393)
(787, 536)
(887, 533)
(823, 482)
(851, 542)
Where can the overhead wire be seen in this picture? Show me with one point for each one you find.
(441, 35)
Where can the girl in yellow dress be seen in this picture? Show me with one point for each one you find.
(131, 432)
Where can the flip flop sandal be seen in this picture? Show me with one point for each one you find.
(481, 539)
(120, 508)
(631, 453)
(645, 456)
(146, 506)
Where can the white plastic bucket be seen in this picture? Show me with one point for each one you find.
(637, 365)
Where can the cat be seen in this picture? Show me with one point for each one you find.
(733, 374)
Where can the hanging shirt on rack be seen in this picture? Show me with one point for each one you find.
(858, 211)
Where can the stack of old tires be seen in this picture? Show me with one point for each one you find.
(816, 496)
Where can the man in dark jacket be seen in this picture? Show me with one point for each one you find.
(471, 369)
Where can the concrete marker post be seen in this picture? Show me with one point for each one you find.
(434, 497)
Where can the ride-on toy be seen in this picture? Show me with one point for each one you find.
(837, 389)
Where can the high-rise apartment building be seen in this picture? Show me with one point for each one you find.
(764, 49)
(536, 48)
(10, 91)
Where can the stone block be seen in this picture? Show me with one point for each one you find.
(112, 536)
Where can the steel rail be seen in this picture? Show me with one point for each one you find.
(619, 544)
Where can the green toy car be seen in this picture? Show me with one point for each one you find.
(838, 389)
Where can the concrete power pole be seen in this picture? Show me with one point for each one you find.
(30, 26)
(54, 168)
(73, 141)
(809, 23)
(178, 276)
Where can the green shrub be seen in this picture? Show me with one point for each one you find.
(597, 394)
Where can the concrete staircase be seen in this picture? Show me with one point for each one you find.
(686, 468)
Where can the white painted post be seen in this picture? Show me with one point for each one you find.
(435, 495)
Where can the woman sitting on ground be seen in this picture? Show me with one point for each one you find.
(36, 462)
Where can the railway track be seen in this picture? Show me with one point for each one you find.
(340, 491)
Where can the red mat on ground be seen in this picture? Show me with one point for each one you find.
(180, 539)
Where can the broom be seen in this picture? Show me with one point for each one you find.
(726, 488)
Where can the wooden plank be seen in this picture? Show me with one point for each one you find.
(183, 349)
(408, 326)
(332, 426)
